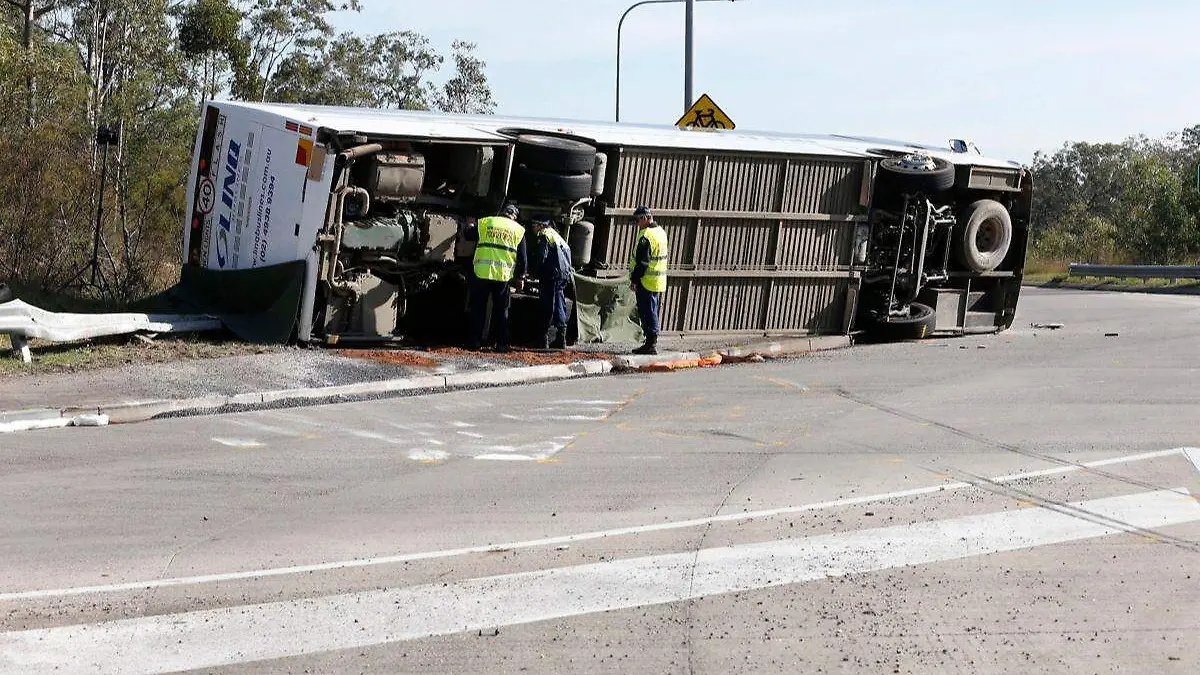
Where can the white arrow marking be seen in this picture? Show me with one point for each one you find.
(217, 637)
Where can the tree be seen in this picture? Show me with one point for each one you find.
(32, 12)
(385, 71)
(1157, 228)
(275, 28)
(208, 33)
(467, 90)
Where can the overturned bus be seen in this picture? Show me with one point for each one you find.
(770, 233)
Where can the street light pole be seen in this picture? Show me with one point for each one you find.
(688, 39)
(689, 52)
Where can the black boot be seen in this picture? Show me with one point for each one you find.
(651, 346)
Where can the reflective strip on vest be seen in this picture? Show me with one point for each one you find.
(655, 278)
(496, 252)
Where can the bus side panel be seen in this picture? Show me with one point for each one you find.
(274, 206)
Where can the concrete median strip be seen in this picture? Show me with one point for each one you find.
(125, 412)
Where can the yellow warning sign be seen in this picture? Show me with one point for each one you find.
(705, 114)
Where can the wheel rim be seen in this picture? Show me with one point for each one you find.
(916, 162)
(989, 236)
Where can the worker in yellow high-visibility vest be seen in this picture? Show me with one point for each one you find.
(551, 264)
(499, 260)
(648, 275)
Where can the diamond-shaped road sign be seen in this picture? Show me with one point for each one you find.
(705, 114)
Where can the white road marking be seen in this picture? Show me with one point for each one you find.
(1193, 455)
(234, 635)
(564, 539)
(501, 457)
(556, 418)
(528, 452)
(422, 455)
(469, 434)
(258, 426)
(240, 442)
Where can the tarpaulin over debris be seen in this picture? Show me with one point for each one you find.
(606, 310)
(25, 320)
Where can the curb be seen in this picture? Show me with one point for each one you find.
(670, 361)
(127, 412)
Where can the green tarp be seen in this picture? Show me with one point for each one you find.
(606, 310)
(259, 305)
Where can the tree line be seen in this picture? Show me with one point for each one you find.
(1130, 202)
(144, 69)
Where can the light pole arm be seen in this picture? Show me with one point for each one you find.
(621, 24)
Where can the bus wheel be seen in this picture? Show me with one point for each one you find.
(530, 183)
(912, 174)
(985, 235)
(555, 155)
(917, 323)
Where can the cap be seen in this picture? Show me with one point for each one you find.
(642, 211)
(541, 220)
(510, 211)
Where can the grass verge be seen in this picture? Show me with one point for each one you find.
(71, 357)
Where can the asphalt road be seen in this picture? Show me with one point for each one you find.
(1009, 503)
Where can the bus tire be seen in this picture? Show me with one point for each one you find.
(555, 155)
(895, 179)
(985, 235)
(531, 183)
(916, 325)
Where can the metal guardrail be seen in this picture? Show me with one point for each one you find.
(1135, 271)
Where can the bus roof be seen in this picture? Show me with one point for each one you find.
(492, 128)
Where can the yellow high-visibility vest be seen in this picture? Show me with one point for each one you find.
(496, 252)
(655, 278)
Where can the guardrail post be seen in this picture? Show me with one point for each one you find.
(20, 346)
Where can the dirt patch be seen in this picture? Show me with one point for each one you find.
(451, 351)
(393, 357)
(522, 357)
(549, 358)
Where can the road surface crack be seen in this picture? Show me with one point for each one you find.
(687, 619)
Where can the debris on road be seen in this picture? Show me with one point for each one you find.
(1047, 326)
(1112, 335)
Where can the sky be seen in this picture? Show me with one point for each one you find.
(1015, 77)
